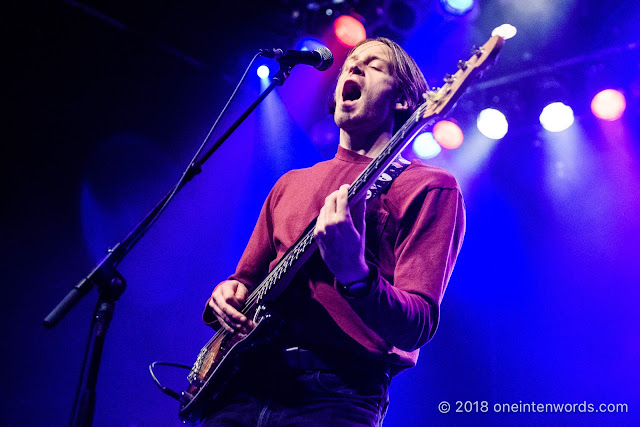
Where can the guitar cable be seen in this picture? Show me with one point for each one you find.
(167, 390)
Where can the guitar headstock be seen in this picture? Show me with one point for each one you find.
(440, 100)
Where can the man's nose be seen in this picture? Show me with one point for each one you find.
(356, 68)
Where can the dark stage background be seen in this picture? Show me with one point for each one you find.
(105, 102)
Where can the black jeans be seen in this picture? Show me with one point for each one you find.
(275, 396)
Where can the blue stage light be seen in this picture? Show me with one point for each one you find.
(309, 44)
(457, 7)
(492, 123)
(556, 117)
(263, 71)
(425, 146)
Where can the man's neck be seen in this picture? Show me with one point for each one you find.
(369, 145)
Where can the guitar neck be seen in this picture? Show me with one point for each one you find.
(284, 271)
(437, 103)
(391, 151)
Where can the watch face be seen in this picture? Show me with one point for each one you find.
(355, 289)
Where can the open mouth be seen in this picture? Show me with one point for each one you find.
(350, 91)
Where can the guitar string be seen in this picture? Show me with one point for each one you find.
(308, 236)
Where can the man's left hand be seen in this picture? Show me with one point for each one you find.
(340, 233)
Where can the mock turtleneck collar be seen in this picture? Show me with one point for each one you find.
(351, 156)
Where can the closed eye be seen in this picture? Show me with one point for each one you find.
(377, 65)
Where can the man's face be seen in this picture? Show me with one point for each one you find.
(365, 96)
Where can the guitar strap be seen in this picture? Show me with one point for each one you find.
(395, 168)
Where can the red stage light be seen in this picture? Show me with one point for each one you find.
(349, 30)
(448, 134)
(609, 104)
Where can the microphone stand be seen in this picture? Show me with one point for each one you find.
(111, 284)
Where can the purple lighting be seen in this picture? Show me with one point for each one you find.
(608, 104)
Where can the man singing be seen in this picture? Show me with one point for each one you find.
(363, 305)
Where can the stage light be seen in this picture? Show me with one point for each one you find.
(448, 134)
(263, 71)
(349, 30)
(309, 44)
(492, 123)
(425, 146)
(506, 31)
(457, 7)
(609, 104)
(556, 117)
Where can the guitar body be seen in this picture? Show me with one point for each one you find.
(223, 359)
(222, 356)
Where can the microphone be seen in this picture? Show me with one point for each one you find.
(321, 58)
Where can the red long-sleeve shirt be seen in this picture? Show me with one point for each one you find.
(414, 233)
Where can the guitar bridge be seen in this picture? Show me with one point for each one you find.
(185, 397)
(259, 316)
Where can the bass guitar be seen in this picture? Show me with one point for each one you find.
(221, 357)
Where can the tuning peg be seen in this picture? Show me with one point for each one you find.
(477, 50)
(448, 78)
(433, 96)
(462, 65)
(431, 93)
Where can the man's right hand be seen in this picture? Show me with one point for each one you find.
(227, 298)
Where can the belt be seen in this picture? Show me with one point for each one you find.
(300, 359)
(304, 360)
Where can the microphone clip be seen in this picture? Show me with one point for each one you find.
(272, 53)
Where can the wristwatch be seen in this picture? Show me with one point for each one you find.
(357, 288)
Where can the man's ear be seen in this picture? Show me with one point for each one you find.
(401, 104)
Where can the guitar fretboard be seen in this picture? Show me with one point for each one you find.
(361, 184)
